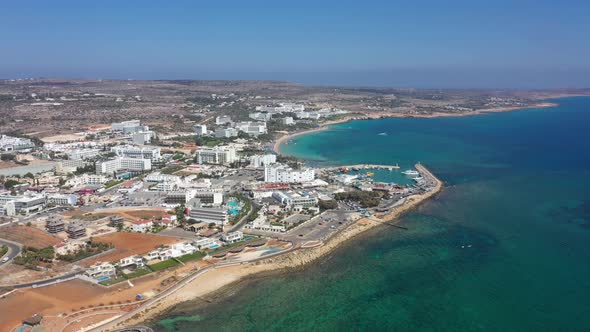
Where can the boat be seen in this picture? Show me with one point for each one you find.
(410, 172)
(418, 178)
(370, 173)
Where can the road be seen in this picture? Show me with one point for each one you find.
(14, 250)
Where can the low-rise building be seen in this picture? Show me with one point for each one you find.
(200, 129)
(55, 224)
(123, 164)
(16, 144)
(132, 261)
(62, 199)
(226, 132)
(283, 173)
(142, 226)
(101, 270)
(76, 230)
(139, 152)
(223, 119)
(232, 237)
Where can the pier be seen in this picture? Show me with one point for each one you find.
(364, 166)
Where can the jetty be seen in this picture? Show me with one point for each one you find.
(363, 166)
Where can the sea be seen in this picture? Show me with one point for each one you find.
(504, 247)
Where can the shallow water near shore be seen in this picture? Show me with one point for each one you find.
(504, 247)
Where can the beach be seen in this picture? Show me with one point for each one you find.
(212, 279)
(380, 115)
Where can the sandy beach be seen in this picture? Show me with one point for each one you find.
(213, 279)
(380, 115)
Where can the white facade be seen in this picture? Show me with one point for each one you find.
(226, 132)
(287, 121)
(217, 155)
(118, 164)
(232, 237)
(252, 128)
(262, 160)
(222, 119)
(9, 143)
(284, 173)
(62, 199)
(142, 137)
(142, 226)
(129, 127)
(200, 129)
(85, 179)
(260, 116)
(140, 152)
(100, 269)
(81, 154)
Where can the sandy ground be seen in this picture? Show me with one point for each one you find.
(29, 236)
(128, 244)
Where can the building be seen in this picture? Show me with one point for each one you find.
(223, 155)
(101, 270)
(55, 224)
(116, 221)
(232, 237)
(283, 173)
(142, 137)
(260, 116)
(223, 119)
(208, 196)
(62, 199)
(139, 152)
(131, 261)
(86, 179)
(126, 164)
(295, 199)
(129, 127)
(81, 154)
(226, 132)
(287, 121)
(200, 129)
(262, 160)
(142, 226)
(15, 144)
(203, 242)
(173, 251)
(25, 204)
(76, 230)
(252, 128)
(208, 215)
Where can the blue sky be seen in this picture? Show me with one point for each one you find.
(420, 43)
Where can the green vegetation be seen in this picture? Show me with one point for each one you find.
(191, 257)
(328, 205)
(163, 265)
(138, 273)
(91, 249)
(171, 169)
(112, 183)
(86, 169)
(113, 281)
(9, 184)
(31, 257)
(180, 217)
(365, 198)
(3, 251)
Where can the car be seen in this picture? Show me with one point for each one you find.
(4, 260)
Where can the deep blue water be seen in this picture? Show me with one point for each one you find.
(504, 247)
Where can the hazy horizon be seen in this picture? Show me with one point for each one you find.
(421, 44)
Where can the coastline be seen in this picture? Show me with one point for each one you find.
(276, 145)
(216, 278)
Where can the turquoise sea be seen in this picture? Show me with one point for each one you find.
(504, 247)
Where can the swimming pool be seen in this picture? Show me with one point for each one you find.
(214, 246)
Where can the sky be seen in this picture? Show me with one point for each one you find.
(419, 43)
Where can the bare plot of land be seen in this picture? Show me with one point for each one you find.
(128, 244)
(29, 236)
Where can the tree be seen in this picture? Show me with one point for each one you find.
(9, 184)
(179, 210)
(29, 175)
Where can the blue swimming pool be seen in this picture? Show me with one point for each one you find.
(214, 246)
(103, 278)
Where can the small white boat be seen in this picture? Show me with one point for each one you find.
(411, 172)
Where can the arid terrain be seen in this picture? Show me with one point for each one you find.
(50, 107)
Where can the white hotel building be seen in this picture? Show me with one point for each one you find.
(217, 155)
(128, 164)
(140, 152)
(286, 174)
